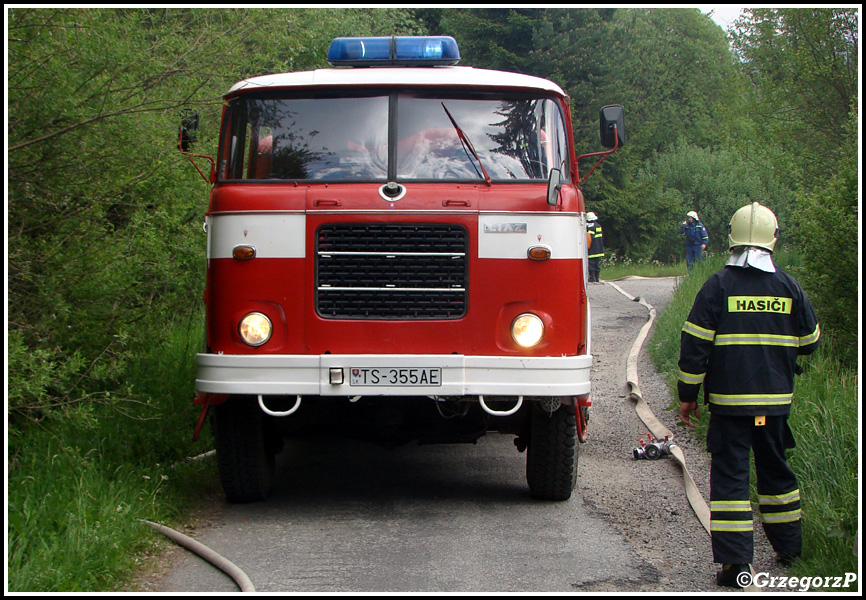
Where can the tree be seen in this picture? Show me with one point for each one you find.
(674, 69)
(715, 183)
(492, 38)
(104, 215)
(828, 244)
(674, 73)
(803, 64)
(570, 49)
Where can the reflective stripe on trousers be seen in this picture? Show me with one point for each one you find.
(730, 440)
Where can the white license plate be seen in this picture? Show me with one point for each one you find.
(400, 377)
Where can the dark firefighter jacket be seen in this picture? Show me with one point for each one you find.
(741, 340)
(696, 234)
(596, 248)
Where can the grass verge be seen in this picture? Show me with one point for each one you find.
(80, 481)
(614, 267)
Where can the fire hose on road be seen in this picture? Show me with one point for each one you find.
(646, 415)
(656, 427)
(225, 565)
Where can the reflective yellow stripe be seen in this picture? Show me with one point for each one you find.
(759, 339)
(731, 526)
(780, 499)
(750, 399)
(812, 337)
(698, 331)
(691, 378)
(730, 506)
(781, 517)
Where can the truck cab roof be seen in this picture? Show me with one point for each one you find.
(452, 76)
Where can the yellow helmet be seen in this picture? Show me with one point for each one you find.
(753, 225)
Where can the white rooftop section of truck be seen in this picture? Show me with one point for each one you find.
(399, 76)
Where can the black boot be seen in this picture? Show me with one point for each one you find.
(729, 576)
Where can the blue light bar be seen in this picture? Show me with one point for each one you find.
(393, 51)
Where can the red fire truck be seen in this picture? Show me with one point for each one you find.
(396, 246)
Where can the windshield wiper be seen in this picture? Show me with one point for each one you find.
(464, 139)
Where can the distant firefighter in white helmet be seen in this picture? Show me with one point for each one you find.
(696, 238)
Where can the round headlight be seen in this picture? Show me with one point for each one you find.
(527, 330)
(255, 329)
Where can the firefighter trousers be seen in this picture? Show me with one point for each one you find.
(693, 255)
(594, 269)
(729, 440)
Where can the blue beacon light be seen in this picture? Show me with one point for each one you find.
(394, 51)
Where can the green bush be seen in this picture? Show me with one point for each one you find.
(81, 477)
(825, 422)
(827, 237)
(643, 220)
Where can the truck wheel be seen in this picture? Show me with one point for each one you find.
(551, 460)
(244, 456)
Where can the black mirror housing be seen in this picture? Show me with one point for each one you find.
(187, 130)
(611, 120)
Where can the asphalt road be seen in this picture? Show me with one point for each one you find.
(351, 516)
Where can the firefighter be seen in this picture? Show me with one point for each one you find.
(696, 238)
(748, 324)
(595, 242)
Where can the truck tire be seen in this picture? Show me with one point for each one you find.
(244, 456)
(551, 459)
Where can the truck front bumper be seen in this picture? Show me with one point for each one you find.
(393, 375)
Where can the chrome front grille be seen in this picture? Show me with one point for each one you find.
(391, 271)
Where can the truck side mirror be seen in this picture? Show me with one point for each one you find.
(553, 186)
(187, 130)
(611, 119)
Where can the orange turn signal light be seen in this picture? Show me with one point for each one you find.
(538, 253)
(244, 252)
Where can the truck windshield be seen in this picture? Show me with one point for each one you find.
(516, 138)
